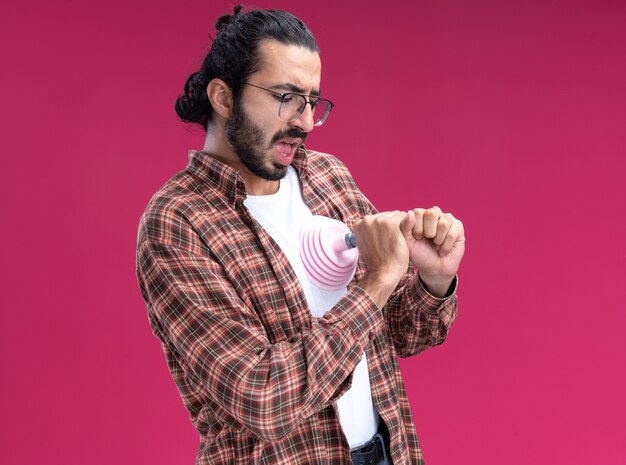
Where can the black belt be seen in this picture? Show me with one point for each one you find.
(370, 453)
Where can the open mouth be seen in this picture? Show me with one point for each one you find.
(286, 148)
(292, 143)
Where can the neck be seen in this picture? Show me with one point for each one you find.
(216, 145)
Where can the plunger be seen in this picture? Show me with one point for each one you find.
(328, 251)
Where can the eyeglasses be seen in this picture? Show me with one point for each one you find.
(292, 105)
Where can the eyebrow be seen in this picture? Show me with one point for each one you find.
(294, 88)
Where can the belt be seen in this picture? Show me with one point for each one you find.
(370, 453)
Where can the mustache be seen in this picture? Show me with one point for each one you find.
(288, 134)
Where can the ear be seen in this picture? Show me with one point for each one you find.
(221, 97)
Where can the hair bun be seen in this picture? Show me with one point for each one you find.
(193, 106)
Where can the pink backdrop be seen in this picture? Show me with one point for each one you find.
(509, 114)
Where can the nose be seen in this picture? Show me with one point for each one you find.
(305, 120)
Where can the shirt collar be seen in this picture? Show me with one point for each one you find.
(226, 180)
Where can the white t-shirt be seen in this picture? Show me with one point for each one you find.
(282, 215)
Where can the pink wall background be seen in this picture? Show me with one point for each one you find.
(512, 115)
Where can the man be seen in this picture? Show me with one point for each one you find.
(272, 369)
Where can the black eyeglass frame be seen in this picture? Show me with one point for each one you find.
(311, 101)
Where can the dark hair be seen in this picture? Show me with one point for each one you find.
(234, 56)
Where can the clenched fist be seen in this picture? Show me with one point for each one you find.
(436, 243)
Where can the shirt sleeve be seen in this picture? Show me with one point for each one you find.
(418, 320)
(220, 343)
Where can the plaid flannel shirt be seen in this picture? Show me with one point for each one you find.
(258, 374)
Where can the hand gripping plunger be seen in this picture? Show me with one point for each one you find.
(328, 251)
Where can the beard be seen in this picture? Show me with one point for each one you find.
(245, 137)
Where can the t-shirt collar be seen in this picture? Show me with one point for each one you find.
(225, 179)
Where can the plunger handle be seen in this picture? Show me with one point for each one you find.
(350, 240)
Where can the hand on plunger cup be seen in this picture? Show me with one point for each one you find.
(384, 249)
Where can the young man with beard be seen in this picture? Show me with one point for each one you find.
(272, 369)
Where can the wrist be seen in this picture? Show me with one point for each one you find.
(379, 287)
(436, 286)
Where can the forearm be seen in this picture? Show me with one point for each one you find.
(267, 386)
(418, 319)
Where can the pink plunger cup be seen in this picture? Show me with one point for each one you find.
(328, 251)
